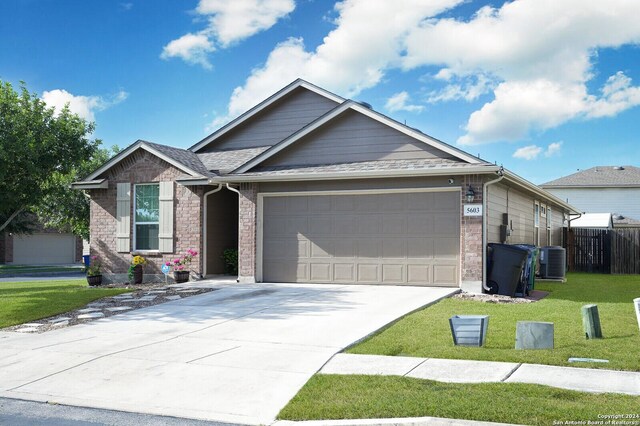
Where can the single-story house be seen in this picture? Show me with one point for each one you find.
(42, 247)
(602, 189)
(314, 188)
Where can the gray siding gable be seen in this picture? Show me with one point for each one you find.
(354, 137)
(275, 123)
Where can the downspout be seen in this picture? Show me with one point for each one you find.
(484, 226)
(237, 192)
(204, 229)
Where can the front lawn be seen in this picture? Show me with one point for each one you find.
(27, 301)
(355, 397)
(16, 270)
(426, 333)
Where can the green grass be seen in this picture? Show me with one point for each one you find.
(30, 269)
(426, 333)
(354, 397)
(27, 301)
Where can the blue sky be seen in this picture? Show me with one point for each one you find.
(541, 86)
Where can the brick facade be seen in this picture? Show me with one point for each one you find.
(143, 167)
(247, 222)
(471, 234)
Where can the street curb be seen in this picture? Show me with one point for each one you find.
(408, 421)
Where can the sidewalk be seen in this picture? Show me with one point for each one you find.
(465, 371)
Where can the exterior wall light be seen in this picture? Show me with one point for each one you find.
(470, 195)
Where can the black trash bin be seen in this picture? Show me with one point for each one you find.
(528, 271)
(506, 267)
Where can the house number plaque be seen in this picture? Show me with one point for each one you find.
(473, 210)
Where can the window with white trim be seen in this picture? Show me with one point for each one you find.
(146, 216)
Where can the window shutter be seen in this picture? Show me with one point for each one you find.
(123, 218)
(165, 232)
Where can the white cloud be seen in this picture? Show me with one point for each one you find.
(232, 21)
(535, 56)
(228, 22)
(553, 149)
(617, 96)
(126, 6)
(398, 102)
(192, 48)
(470, 90)
(522, 106)
(530, 152)
(529, 46)
(353, 57)
(84, 106)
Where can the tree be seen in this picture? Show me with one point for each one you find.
(36, 145)
(67, 209)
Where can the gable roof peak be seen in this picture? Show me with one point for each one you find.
(180, 158)
(280, 94)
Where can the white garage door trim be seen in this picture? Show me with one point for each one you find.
(262, 195)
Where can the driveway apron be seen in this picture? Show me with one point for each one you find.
(237, 354)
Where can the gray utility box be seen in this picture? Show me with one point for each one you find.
(469, 330)
(534, 335)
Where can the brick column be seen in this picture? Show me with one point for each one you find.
(471, 238)
(247, 220)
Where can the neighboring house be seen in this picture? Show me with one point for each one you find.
(603, 221)
(592, 220)
(314, 188)
(602, 189)
(42, 247)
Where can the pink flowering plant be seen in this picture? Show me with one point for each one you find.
(182, 263)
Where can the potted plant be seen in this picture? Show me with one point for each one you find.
(181, 266)
(136, 272)
(94, 271)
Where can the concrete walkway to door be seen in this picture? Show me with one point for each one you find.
(238, 354)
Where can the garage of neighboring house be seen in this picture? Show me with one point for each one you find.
(44, 249)
(368, 236)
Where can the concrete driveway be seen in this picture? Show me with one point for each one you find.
(238, 354)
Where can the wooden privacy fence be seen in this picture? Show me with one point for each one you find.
(607, 251)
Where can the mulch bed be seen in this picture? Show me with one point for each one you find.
(160, 292)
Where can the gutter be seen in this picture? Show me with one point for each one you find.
(501, 176)
(358, 175)
(90, 184)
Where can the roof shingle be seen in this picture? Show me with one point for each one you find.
(187, 158)
(599, 176)
(363, 166)
(226, 161)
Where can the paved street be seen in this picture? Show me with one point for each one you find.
(16, 412)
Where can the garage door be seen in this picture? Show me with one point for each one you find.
(390, 238)
(44, 249)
